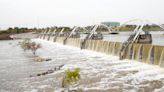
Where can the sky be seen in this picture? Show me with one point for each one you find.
(43, 13)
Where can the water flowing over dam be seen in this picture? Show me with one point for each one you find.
(147, 53)
(99, 72)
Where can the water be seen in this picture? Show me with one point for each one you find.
(99, 72)
(123, 36)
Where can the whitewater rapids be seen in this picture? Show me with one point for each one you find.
(99, 72)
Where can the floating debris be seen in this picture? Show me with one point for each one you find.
(48, 71)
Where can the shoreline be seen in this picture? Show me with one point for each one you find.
(5, 36)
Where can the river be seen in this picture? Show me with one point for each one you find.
(99, 72)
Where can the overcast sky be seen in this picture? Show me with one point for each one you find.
(34, 13)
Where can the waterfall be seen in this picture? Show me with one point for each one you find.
(146, 52)
(140, 53)
(161, 63)
(48, 37)
(51, 38)
(55, 38)
(97, 45)
(100, 46)
(60, 39)
(117, 48)
(157, 54)
(90, 44)
(78, 42)
(94, 45)
(73, 42)
(108, 47)
(150, 58)
(105, 47)
(44, 36)
(129, 52)
(113, 48)
(136, 51)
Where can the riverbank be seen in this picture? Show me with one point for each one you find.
(5, 35)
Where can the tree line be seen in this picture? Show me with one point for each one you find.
(146, 28)
(68, 29)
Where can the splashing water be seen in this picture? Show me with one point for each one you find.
(99, 72)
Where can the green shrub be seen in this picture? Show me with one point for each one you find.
(71, 77)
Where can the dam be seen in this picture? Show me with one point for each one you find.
(82, 46)
(152, 54)
(98, 57)
(147, 53)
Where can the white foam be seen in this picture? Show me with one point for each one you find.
(98, 71)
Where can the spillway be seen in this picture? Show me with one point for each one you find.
(147, 53)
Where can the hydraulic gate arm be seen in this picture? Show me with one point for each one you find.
(61, 31)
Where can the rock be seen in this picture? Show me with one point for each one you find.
(60, 66)
(44, 73)
(39, 59)
(48, 59)
(50, 71)
(38, 74)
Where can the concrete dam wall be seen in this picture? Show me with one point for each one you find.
(147, 53)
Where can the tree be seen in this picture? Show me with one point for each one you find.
(10, 29)
(27, 44)
(34, 46)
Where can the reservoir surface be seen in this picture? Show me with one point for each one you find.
(157, 37)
